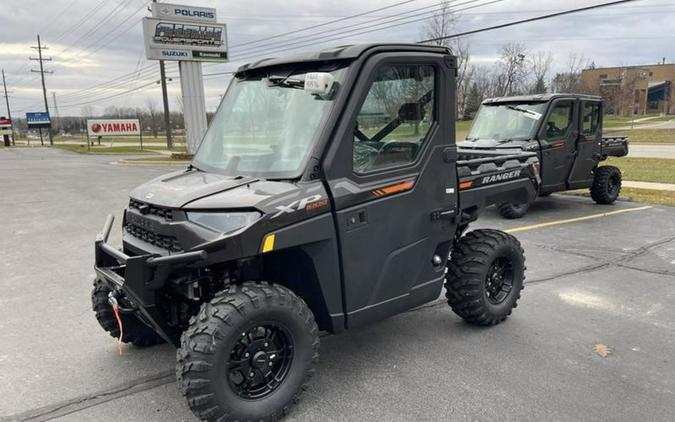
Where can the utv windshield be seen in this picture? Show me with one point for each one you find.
(264, 127)
(506, 122)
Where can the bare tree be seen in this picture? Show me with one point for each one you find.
(540, 65)
(154, 117)
(442, 24)
(513, 71)
(570, 79)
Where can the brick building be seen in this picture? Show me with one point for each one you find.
(646, 89)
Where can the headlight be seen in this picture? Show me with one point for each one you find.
(224, 222)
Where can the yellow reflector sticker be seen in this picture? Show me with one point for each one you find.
(268, 244)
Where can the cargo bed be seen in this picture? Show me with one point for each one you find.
(489, 177)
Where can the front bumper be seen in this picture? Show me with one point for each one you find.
(139, 277)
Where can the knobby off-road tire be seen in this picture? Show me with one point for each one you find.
(135, 332)
(485, 276)
(213, 363)
(512, 211)
(606, 185)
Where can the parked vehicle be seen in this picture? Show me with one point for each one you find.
(565, 130)
(296, 216)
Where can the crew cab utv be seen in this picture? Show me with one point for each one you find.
(565, 130)
(327, 193)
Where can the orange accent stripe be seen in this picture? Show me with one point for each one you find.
(558, 145)
(465, 185)
(395, 188)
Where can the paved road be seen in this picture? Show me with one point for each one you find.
(602, 280)
(652, 151)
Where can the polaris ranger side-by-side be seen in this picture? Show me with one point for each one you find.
(566, 132)
(328, 193)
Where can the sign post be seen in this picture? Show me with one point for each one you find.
(38, 120)
(189, 35)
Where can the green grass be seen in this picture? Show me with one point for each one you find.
(82, 149)
(645, 136)
(612, 121)
(657, 170)
(649, 196)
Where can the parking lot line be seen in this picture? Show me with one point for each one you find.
(574, 220)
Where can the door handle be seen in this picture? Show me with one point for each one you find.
(443, 214)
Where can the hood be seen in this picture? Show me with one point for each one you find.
(491, 144)
(198, 189)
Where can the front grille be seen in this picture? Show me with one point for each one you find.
(166, 242)
(144, 208)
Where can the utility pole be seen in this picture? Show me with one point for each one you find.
(165, 100)
(56, 111)
(9, 111)
(42, 72)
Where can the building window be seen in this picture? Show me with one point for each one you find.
(603, 76)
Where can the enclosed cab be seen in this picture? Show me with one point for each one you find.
(565, 130)
(327, 193)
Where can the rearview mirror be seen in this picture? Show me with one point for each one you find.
(411, 112)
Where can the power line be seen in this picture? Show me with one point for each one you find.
(325, 24)
(529, 20)
(352, 34)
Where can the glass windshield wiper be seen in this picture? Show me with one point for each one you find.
(286, 82)
(524, 110)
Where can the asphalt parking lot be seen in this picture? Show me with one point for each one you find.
(591, 280)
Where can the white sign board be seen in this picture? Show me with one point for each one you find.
(113, 127)
(167, 39)
(183, 13)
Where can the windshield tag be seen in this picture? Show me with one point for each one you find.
(319, 82)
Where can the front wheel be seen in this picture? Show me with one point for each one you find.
(248, 354)
(606, 185)
(486, 272)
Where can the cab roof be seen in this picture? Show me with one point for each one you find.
(540, 98)
(345, 52)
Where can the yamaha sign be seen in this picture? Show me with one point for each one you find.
(179, 12)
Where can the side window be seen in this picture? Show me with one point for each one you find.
(395, 118)
(559, 120)
(591, 118)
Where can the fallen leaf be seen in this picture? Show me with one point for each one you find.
(602, 350)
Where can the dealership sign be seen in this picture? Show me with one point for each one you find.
(38, 120)
(179, 12)
(113, 127)
(184, 33)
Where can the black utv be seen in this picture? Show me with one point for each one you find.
(565, 130)
(328, 193)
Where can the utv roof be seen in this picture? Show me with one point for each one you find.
(344, 52)
(539, 98)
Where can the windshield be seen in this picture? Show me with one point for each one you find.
(264, 128)
(506, 122)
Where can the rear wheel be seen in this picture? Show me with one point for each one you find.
(512, 211)
(606, 185)
(248, 354)
(135, 332)
(486, 272)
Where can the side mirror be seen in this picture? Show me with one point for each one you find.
(411, 112)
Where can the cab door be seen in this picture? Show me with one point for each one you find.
(392, 177)
(587, 144)
(558, 137)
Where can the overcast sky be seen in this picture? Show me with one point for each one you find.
(92, 42)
